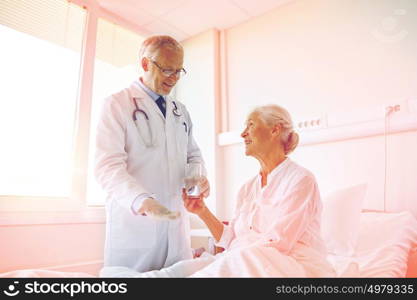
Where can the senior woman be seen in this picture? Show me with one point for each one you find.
(275, 230)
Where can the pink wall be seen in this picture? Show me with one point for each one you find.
(324, 56)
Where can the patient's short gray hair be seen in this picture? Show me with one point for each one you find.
(272, 115)
(151, 46)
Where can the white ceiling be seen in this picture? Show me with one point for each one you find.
(185, 18)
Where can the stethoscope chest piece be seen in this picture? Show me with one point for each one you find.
(175, 110)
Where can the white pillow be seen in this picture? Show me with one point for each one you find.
(340, 219)
(384, 243)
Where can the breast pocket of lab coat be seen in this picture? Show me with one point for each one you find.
(134, 232)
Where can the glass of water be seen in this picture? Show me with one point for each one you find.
(193, 173)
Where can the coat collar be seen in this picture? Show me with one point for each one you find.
(138, 92)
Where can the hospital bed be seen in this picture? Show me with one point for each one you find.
(385, 246)
(364, 242)
(381, 244)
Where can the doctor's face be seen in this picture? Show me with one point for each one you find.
(257, 136)
(166, 59)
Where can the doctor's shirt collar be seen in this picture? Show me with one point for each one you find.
(147, 90)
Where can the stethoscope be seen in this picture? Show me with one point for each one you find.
(148, 140)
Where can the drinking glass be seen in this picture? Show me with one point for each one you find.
(193, 173)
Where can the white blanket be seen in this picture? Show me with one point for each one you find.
(42, 273)
(252, 261)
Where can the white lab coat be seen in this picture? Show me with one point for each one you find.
(126, 168)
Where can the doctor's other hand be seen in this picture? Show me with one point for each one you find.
(194, 205)
(151, 207)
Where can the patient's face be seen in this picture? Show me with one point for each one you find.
(257, 135)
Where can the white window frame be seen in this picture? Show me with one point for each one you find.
(17, 209)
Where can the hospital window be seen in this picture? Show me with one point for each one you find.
(40, 50)
(115, 67)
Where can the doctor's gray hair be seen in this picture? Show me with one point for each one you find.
(150, 47)
(272, 115)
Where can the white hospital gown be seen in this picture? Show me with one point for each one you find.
(275, 232)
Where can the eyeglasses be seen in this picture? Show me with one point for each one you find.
(169, 72)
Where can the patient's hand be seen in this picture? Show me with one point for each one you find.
(194, 205)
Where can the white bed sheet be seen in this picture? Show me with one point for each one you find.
(42, 273)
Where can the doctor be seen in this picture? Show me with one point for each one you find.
(144, 141)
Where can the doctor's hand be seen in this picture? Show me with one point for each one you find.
(194, 205)
(151, 207)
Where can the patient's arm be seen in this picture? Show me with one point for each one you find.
(198, 207)
(213, 224)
